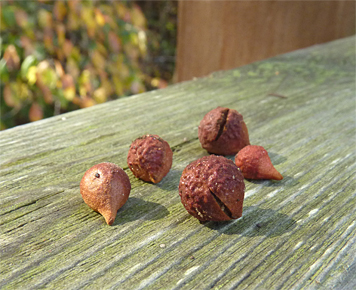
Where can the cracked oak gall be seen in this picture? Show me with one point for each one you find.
(150, 158)
(105, 188)
(223, 131)
(212, 188)
(255, 163)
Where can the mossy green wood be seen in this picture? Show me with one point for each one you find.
(296, 233)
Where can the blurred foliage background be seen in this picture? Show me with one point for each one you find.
(58, 56)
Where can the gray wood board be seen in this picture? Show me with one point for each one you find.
(307, 230)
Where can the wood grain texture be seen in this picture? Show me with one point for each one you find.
(299, 233)
(220, 35)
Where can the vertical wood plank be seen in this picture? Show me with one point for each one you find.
(215, 35)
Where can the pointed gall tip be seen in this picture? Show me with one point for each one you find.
(109, 217)
(268, 171)
(277, 175)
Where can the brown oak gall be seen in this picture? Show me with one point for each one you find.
(105, 188)
(150, 158)
(212, 188)
(223, 131)
(255, 163)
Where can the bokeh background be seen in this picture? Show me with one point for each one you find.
(59, 56)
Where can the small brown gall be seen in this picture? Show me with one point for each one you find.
(223, 131)
(255, 163)
(150, 158)
(105, 188)
(212, 188)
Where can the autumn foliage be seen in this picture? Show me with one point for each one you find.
(58, 56)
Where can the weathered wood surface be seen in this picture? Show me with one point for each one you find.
(306, 232)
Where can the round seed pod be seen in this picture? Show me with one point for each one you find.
(212, 188)
(105, 188)
(223, 131)
(150, 158)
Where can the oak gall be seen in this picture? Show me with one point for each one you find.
(105, 188)
(212, 188)
(223, 131)
(150, 158)
(255, 163)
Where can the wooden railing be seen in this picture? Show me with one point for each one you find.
(297, 233)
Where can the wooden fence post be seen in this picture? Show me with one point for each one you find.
(216, 35)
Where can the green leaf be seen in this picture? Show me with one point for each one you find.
(26, 64)
(40, 51)
(9, 16)
(3, 68)
(61, 98)
(4, 74)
